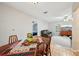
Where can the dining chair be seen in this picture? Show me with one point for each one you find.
(43, 48)
(47, 49)
(39, 48)
(13, 39)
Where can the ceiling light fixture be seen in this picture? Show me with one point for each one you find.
(35, 2)
(68, 18)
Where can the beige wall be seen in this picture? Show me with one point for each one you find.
(75, 40)
(13, 21)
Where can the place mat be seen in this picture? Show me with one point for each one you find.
(31, 52)
(19, 50)
(22, 54)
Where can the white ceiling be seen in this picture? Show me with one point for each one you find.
(56, 10)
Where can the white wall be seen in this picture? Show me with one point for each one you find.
(52, 26)
(42, 25)
(13, 21)
(75, 32)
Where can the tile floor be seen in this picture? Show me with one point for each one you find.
(58, 50)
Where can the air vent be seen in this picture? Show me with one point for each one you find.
(45, 12)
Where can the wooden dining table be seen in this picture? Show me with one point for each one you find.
(21, 50)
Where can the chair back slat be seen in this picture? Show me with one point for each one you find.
(13, 39)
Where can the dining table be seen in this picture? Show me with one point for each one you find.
(22, 50)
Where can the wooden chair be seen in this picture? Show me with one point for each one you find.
(39, 48)
(47, 41)
(43, 48)
(13, 39)
(6, 48)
